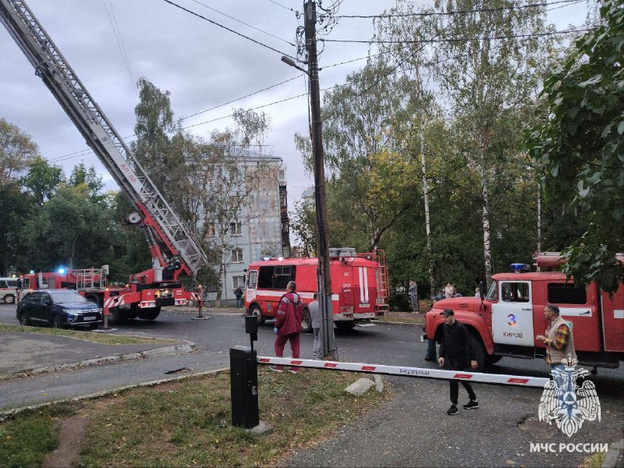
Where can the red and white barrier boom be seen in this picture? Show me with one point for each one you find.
(524, 381)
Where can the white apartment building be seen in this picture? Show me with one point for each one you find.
(256, 224)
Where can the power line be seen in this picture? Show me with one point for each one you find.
(243, 23)
(112, 18)
(283, 6)
(226, 28)
(457, 12)
(461, 39)
(240, 98)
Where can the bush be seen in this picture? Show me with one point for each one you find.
(399, 302)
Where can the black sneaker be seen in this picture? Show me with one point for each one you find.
(472, 404)
(452, 410)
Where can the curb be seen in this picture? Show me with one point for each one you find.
(13, 412)
(163, 351)
(613, 458)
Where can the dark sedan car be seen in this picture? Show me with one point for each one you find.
(59, 308)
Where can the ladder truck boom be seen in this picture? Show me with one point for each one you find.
(153, 211)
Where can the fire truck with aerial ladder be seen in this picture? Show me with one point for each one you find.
(506, 320)
(173, 248)
(359, 283)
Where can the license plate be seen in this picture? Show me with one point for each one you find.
(365, 315)
(89, 319)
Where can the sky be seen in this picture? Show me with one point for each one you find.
(208, 70)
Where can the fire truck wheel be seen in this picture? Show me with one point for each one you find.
(480, 351)
(254, 311)
(150, 313)
(306, 323)
(491, 360)
(345, 325)
(114, 316)
(9, 299)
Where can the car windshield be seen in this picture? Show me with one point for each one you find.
(67, 296)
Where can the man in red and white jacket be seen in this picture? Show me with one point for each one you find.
(288, 325)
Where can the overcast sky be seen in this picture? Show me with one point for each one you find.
(111, 43)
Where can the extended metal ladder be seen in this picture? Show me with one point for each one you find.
(98, 132)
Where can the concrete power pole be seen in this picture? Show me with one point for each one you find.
(324, 280)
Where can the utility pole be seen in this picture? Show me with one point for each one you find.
(322, 236)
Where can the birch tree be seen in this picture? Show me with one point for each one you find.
(484, 64)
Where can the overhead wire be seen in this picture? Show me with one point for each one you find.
(86, 151)
(191, 12)
(457, 12)
(461, 39)
(243, 23)
(283, 6)
(112, 18)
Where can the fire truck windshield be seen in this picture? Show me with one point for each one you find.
(492, 294)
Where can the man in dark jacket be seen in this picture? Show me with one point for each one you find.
(288, 324)
(456, 350)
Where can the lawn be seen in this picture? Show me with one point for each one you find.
(186, 423)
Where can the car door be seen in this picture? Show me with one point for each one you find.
(31, 307)
(42, 307)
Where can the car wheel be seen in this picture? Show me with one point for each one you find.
(9, 299)
(23, 318)
(255, 311)
(57, 322)
(306, 323)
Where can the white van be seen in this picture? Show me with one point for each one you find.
(8, 290)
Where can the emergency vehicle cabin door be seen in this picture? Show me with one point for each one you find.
(512, 315)
(613, 320)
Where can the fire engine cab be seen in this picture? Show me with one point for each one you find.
(359, 283)
(506, 321)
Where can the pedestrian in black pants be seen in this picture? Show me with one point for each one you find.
(456, 351)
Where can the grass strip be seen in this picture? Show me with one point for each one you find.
(86, 335)
(188, 422)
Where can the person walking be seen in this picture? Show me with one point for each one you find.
(558, 340)
(413, 295)
(238, 292)
(456, 351)
(288, 325)
(315, 318)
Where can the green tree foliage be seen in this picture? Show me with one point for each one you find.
(370, 181)
(42, 180)
(581, 151)
(17, 151)
(160, 144)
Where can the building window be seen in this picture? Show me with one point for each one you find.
(238, 281)
(236, 228)
(210, 229)
(237, 255)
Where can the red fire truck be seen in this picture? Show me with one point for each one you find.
(506, 321)
(359, 283)
(174, 250)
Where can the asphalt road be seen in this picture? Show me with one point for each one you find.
(412, 430)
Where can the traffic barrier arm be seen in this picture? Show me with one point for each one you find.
(420, 372)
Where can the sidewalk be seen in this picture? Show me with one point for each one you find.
(26, 353)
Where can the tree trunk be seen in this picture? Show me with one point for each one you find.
(487, 241)
(432, 283)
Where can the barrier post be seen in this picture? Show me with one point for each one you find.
(105, 308)
(244, 387)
